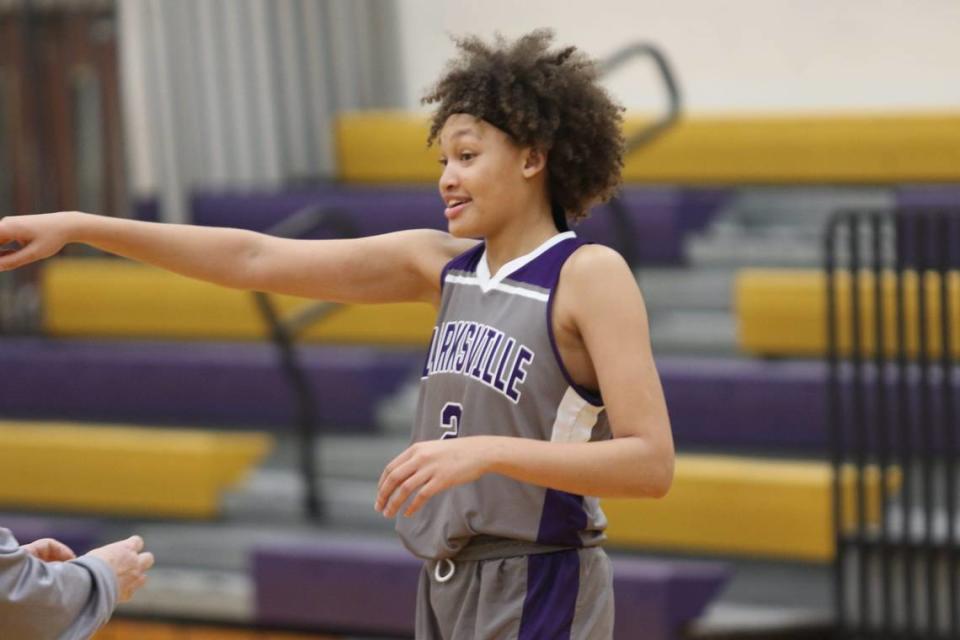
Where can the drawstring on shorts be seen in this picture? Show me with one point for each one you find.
(444, 578)
(484, 547)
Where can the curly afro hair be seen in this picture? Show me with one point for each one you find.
(548, 100)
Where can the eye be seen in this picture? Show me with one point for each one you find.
(466, 156)
(442, 161)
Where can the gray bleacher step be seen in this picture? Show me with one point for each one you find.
(708, 251)
(693, 332)
(360, 457)
(194, 594)
(770, 600)
(226, 546)
(344, 456)
(276, 495)
(741, 622)
(686, 289)
(800, 205)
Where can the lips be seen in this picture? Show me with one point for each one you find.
(455, 208)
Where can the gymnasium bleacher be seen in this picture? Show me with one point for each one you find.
(736, 346)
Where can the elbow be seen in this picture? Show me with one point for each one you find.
(661, 478)
(657, 478)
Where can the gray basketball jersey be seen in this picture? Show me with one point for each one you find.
(493, 369)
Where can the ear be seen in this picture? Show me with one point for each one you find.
(534, 161)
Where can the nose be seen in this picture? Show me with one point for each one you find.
(448, 179)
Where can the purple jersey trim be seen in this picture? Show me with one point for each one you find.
(553, 583)
(557, 261)
(466, 261)
(544, 270)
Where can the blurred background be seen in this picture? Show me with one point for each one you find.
(793, 175)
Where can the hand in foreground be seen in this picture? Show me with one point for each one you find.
(26, 239)
(49, 550)
(129, 562)
(430, 467)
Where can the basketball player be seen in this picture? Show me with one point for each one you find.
(539, 391)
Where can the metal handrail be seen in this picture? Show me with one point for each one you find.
(619, 210)
(284, 331)
(674, 106)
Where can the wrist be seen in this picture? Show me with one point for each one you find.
(74, 225)
(495, 453)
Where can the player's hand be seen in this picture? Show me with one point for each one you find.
(49, 550)
(430, 467)
(26, 239)
(129, 562)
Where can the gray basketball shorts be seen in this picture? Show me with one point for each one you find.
(564, 594)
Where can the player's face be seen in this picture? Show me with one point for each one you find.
(482, 181)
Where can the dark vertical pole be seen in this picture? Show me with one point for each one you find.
(880, 415)
(834, 420)
(921, 245)
(904, 429)
(306, 411)
(859, 443)
(948, 417)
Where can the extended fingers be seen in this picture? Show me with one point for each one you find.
(401, 458)
(13, 256)
(403, 491)
(135, 543)
(391, 481)
(426, 492)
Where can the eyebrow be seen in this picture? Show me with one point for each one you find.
(463, 132)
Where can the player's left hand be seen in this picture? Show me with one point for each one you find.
(49, 550)
(430, 467)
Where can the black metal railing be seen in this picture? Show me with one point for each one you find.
(283, 333)
(619, 210)
(893, 326)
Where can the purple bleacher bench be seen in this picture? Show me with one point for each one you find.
(193, 383)
(717, 403)
(369, 587)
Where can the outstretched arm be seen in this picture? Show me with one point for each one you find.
(394, 267)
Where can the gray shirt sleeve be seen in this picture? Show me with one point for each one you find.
(55, 600)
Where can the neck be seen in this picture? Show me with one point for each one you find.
(521, 235)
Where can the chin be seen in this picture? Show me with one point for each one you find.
(460, 228)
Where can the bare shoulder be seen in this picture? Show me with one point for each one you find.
(599, 288)
(430, 250)
(434, 247)
(595, 266)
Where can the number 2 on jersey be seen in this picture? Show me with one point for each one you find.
(450, 418)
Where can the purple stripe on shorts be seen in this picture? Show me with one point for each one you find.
(553, 580)
(562, 520)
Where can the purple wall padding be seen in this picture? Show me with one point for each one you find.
(660, 216)
(366, 586)
(235, 384)
(81, 535)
